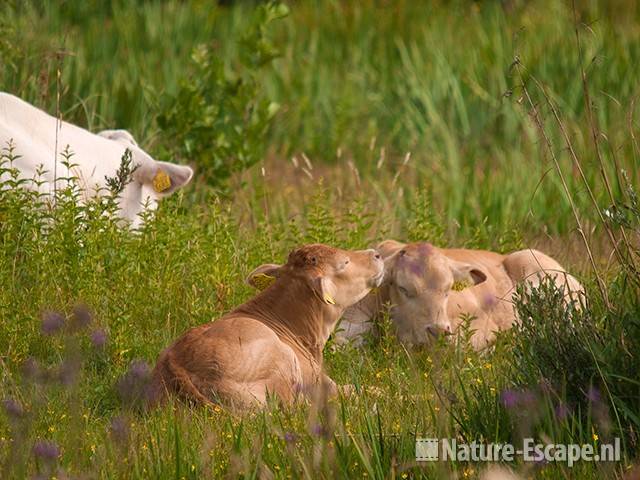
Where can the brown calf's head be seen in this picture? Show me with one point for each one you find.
(420, 279)
(338, 277)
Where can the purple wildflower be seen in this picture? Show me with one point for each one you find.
(31, 370)
(545, 386)
(12, 408)
(562, 411)
(68, 372)
(139, 369)
(119, 429)
(99, 338)
(527, 397)
(290, 437)
(510, 398)
(593, 394)
(81, 316)
(318, 430)
(46, 450)
(52, 323)
(135, 385)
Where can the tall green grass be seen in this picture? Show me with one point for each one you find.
(186, 267)
(404, 119)
(356, 78)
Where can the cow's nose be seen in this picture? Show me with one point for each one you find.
(436, 330)
(433, 331)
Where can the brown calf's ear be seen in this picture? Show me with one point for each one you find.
(326, 290)
(164, 177)
(466, 275)
(264, 276)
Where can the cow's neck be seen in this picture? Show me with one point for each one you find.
(296, 313)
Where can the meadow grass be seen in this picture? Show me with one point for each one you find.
(364, 82)
(403, 120)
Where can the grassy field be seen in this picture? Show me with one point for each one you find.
(462, 123)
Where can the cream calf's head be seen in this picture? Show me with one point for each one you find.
(420, 279)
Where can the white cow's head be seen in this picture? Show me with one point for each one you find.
(152, 180)
(420, 279)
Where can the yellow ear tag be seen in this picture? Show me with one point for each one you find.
(262, 280)
(328, 299)
(161, 181)
(460, 285)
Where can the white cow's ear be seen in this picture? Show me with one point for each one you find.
(120, 136)
(466, 275)
(264, 276)
(326, 289)
(164, 177)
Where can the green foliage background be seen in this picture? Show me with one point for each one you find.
(345, 123)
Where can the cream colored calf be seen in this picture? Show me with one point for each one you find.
(431, 290)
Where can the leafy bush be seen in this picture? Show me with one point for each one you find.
(551, 338)
(585, 360)
(219, 119)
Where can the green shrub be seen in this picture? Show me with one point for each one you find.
(219, 119)
(552, 337)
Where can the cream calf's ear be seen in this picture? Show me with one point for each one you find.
(263, 276)
(163, 177)
(389, 247)
(389, 250)
(465, 275)
(326, 290)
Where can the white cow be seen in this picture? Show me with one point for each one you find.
(39, 140)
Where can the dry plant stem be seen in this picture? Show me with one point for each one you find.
(565, 187)
(634, 141)
(58, 125)
(614, 242)
(628, 261)
(576, 162)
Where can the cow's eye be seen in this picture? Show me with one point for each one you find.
(403, 291)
